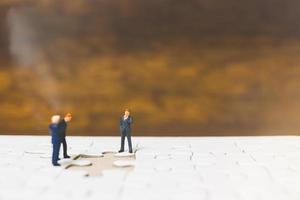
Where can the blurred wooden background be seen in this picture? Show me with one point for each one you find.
(195, 67)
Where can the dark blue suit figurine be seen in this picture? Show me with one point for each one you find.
(125, 130)
(62, 127)
(55, 138)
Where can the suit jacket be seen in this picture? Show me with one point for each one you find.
(125, 124)
(62, 126)
(53, 128)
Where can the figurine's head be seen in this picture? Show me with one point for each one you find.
(127, 112)
(55, 119)
(68, 117)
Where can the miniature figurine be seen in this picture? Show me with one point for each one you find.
(62, 126)
(125, 130)
(53, 127)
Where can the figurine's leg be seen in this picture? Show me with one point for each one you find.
(54, 154)
(129, 141)
(65, 147)
(56, 148)
(122, 141)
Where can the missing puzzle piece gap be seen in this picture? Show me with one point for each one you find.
(91, 155)
(79, 163)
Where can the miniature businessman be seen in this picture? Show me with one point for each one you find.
(62, 126)
(53, 127)
(125, 129)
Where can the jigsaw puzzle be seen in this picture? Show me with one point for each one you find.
(194, 168)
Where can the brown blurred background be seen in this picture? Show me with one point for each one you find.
(192, 67)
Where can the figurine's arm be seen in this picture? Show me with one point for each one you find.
(130, 120)
(120, 121)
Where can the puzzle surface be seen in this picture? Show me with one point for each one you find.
(168, 168)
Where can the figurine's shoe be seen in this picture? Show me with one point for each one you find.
(130, 151)
(56, 164)
(120, 151)
(67, 156)
(58, 159)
